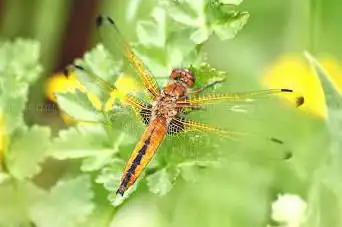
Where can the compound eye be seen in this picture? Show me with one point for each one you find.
(175, 74)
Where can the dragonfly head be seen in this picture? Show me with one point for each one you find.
(183, 75)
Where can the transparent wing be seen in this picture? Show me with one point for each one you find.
(116, 44)
(92, 83)
(182, 125)
(234, 98)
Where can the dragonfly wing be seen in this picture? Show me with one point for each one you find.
(142, 110)
(178, 125)
(233, 99)
(185, 125)
(118, 46)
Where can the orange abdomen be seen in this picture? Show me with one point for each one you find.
(143, 153)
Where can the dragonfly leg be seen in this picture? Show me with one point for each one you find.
(209, 85)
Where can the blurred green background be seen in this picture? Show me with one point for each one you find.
(241, 190)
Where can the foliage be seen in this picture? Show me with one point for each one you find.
(24, 148)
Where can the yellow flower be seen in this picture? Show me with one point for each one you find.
(2, 136)
(59, 83)
(293, 72)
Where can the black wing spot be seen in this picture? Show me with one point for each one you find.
(287, 154)
(100, 20)
(286, 90)
(79, 67)
(275, 140)
(146, 114)
(175, 127)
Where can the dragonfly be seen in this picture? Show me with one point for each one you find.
(166, 111)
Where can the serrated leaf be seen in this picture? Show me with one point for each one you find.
(68, 204)
(23, 67)
(206, 17)
(153, 32)
(174, 48)
(206, 74)
(100, 63)
(13, 96)
(28, 148)
(15, 199)
(200, 35)
(110, 177)
(16, 72)
(88, 142)
(188, 12)
(78, 106)
(159, 182)
(230, 28)
(80, 142)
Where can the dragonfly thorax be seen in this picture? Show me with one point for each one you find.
(165, 106)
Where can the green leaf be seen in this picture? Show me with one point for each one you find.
(153, 32)
(78, 106)
(27, 150)
(80, 142)
(16, 72)
(89, 142)
(68, 204)
(187, 12)
(159, 182)
(16, 197)
(206, 74)
(100, 63)
(191, 13)
(206, 17)
(24, 66)
(230, 28)
(164, 49)
(13, 96)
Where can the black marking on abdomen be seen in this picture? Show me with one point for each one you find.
(133, 167)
